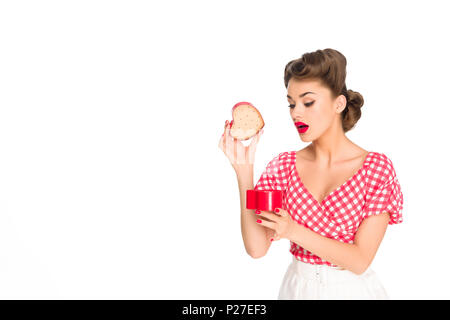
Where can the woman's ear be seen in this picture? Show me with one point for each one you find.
(341, 103)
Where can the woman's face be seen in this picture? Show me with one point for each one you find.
(311, 103)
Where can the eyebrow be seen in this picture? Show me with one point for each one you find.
(302, 95)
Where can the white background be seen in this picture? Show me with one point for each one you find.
(112, 185)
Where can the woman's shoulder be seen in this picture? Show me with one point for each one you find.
(282, 160)
(285, 156)
(379, 159)
(380, 167)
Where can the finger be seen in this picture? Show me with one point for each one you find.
(235, 153)
(232, 147)
(240, 153)
(221, 142)
(268, 224)
(225, 144)
(235, 142)
(229, 144)
(252, 147)
(254, 143)
(247, 155)
(255, 140)
(224, 128)
(268, 215)
(224, 137)
(227, 129)
(281, 212)
(250, 150)
(275, 238)
(260, 133)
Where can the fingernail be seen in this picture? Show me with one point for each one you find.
(271, 239)
(257, 212)
(259, 221)
(276, 210)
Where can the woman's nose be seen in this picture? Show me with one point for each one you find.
(297, 111)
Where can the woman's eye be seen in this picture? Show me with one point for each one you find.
(306, 104)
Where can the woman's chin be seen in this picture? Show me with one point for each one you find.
(305, 137)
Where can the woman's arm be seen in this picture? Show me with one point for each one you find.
(242, 158)
(355, 257)
(256, 239)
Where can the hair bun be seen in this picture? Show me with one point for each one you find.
(355, 99)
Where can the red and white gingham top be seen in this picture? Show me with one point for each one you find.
(370, 191)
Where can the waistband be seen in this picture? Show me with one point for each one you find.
(325, 273)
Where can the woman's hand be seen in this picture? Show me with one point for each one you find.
(280, 222)
(237, 153)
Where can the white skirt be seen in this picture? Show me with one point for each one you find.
(307, 281)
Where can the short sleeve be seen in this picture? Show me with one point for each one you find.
(384, 192)
(272, 176)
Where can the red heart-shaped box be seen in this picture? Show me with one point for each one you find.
(266, 200)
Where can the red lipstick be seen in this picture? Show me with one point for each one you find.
(301, 127)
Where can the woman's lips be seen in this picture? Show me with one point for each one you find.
(301, 127)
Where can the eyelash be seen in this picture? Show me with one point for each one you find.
(306, 104)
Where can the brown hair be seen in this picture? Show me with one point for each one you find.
(329, 67)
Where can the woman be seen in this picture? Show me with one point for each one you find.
(338, 198)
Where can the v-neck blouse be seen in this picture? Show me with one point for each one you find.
(372, 190)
